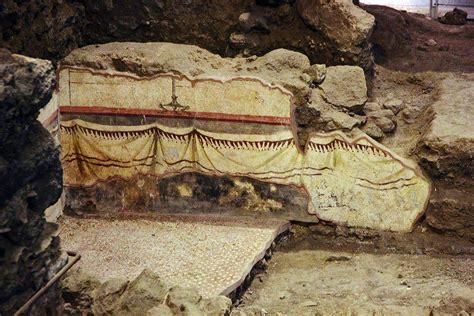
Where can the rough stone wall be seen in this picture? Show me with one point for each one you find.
(47, 29)
(31, 181)
(330, 32)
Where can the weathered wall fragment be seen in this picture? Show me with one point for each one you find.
(120, 125)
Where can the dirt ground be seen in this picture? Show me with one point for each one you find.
(402, 42)
(321, 282)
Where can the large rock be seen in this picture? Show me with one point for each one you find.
(106, 297)
(452, 211)
(29, 159)
(446, 152)
(146, 291)
(78, 287)
(345, 87)
(339, 20)
(447, 149)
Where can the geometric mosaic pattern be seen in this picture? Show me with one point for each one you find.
(213, 257)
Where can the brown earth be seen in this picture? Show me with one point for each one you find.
(401, 42)
(319, 282)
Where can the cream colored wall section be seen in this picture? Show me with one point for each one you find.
(355, 182)
(112, 90)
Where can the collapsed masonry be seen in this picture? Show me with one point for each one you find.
(31, 181)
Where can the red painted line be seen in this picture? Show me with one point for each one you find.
(274, 120)
(50, 119)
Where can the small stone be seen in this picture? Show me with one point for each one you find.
(409, 115)
(238, 40)
(306, 78)
(219, 305)
(431, 42)
(371, 106)
(385, 124)
(381, 113)
(249, 21)
(371, 129)
(317, 72)
(309, 303)
(422, 48)
(395, 105)
(344, 86)
(384, 119)
(284, 294)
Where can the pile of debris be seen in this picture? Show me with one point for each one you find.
(145, 295)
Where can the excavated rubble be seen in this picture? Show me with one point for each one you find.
(32, 181)
(331, 32)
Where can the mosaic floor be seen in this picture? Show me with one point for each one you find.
(212, 256)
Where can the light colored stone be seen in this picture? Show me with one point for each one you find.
(384, 119)
(146, 291)
(159, 310)
(345, 87)
(147, 59)
(395, 105)
(78, 281)
(431, 42)
(317, 73)
(339, 20)
(219, 305)
(385, 124)
(371, 106)
(178, 295)
(371, 129)
(381, 113)
(448, 146)
(446, 152)
(107, 295)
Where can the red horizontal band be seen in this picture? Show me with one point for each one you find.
(273, 120)
(50, 119)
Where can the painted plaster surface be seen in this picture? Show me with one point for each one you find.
(356, 182)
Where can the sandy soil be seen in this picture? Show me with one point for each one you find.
(319, 282)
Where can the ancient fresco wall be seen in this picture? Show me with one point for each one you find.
(120, 126)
